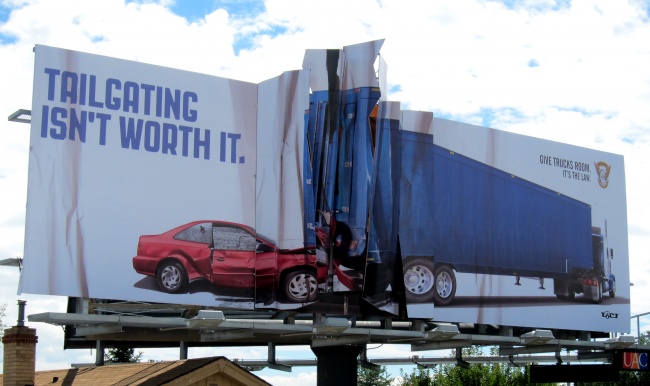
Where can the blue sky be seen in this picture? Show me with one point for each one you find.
(535, 6)
(5, 11)
(568, 71)
(4, 16)
(196, 10)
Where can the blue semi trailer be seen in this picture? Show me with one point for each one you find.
(460, 215)
(397, 203)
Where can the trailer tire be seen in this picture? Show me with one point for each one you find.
(599, 293)
(419, 280)
(445, 290)
(560, 287)
(570, 296)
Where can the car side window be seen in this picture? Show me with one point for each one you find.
(233, 239)
(199, 233)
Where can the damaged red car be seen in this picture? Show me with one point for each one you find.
(229, 255)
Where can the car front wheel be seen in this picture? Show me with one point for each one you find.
(300, 286)
(171, 277)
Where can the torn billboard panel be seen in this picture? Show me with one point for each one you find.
(153, 184)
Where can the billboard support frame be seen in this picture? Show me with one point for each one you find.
(315, 333)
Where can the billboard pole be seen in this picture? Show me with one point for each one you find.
(337, 365)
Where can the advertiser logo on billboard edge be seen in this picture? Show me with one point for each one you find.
(609, 315)
(603, 170)
(634, 361)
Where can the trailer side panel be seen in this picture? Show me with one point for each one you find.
(479, 219)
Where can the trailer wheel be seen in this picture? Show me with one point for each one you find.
(561, 287)
(445, 286)
(419, 280)
(599, 293)
(570, 296)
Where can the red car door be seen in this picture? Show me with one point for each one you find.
(193, 243)
(266, 268)
(233, 257)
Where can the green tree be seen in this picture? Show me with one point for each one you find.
(482, 373)
(476, 374)
(369, 377)
(417, 377)
(122, 355)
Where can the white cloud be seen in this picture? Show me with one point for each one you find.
(287, 380)
(590, 88)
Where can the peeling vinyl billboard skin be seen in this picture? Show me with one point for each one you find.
(154, 184)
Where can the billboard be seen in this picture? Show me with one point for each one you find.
(154, 184)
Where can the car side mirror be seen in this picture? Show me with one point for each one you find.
(261, 247)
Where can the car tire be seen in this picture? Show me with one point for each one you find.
(172, 277)
(300, 286)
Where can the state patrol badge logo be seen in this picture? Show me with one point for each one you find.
(603, 169)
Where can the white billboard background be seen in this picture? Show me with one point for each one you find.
(282, 102)
(89, 202)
